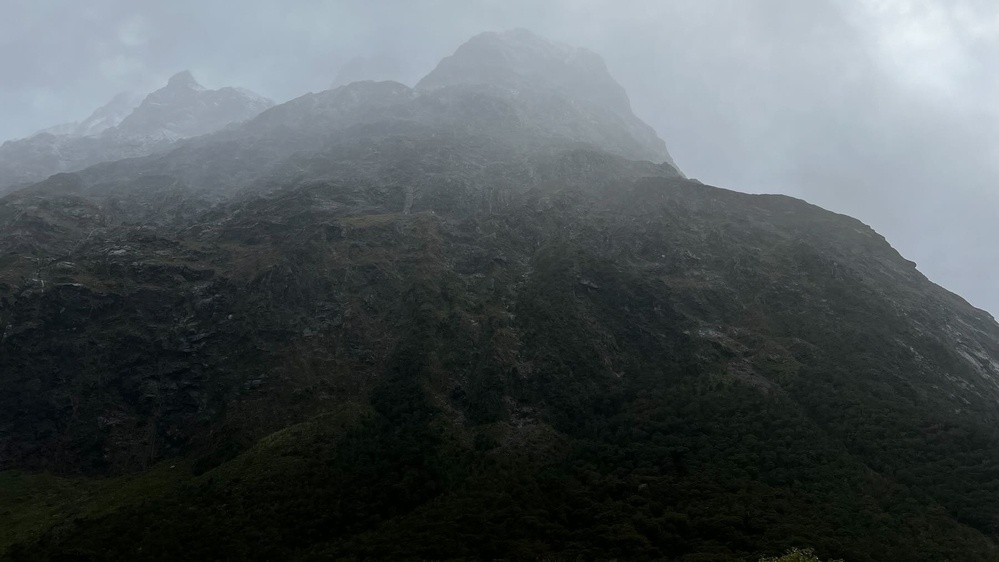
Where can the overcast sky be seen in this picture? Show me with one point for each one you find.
(886, 110)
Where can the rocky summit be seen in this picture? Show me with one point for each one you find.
(125, 128)
(556, 88)
(482, 318)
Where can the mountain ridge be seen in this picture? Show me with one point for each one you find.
(126, 128)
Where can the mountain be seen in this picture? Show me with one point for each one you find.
(183, 108)
(495, 115)
(108, 115)
(102, 119)
(125, 128)
(386, 322)
(555, 87)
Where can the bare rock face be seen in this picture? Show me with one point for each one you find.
(125, 128)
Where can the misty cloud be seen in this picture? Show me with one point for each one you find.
(882, 109)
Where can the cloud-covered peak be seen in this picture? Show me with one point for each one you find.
(108, 115)
(378, 67)
(519, 58)
(185, 80)
(183, 108)
(125, 128)
(540, 73)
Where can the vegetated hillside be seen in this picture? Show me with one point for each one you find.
(413, 341)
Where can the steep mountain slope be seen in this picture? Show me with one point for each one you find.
(387, 322)
(125, 128)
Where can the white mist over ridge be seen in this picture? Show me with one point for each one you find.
(535, 72)
(127, 126)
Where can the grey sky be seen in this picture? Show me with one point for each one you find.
(887, 110)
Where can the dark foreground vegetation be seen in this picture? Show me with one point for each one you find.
(554, 380)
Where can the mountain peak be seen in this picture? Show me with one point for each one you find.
(184, 79)
(518, 58)
(522, 65)
(184, 108)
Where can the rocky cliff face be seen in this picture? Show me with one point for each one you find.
(388, 322)
(125, 128)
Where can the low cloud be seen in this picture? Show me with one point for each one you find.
(887, 110)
